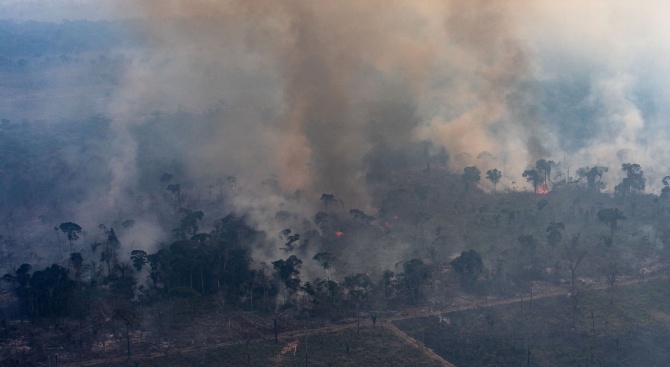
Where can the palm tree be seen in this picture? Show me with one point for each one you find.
(611, 216)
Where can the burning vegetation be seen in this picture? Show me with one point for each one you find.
(213, 172)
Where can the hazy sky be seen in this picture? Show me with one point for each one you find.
(57, 10)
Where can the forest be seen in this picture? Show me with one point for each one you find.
(100, 297)
(150, 219)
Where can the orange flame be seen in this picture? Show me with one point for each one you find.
(339, 233)
(542, 190)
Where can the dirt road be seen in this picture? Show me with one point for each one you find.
(473, 303)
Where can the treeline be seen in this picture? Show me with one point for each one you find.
(219, 263)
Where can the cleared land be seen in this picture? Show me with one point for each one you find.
(633, 330)
(373, 347)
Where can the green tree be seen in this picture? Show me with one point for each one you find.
(416, 272)
(634, 182)
(469, 266)
(665, 192)
(554, 235)
(108, 255)
(51, 290)
(533, 177)
(72, 230)
(494, 176)
(289, 271)
(471, 176)
(188, 225)
(77, 261)
(138, 258)
(593, 176)
(544, 168)
(611, 216)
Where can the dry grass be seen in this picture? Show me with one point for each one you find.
(373, 347)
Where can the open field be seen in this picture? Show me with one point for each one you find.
(373, 347)
(632, 331)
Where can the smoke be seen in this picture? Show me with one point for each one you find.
(305, 85)
(317, 96)
(302, 83)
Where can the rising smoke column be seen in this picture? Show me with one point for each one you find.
(303, 83)
(332, 65)
(492, 86)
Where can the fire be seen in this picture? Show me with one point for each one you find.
(339, 233)
(542, 190)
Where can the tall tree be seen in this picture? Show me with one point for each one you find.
(327, 198)
(110, 248)
(130, 317)
(494, 176)
(469, 266)
(665, 192)
(533, 177)
(72, 230)
(593, 176)
(175, 189)
(77, 261)
(544, 168)
(324, 259)
(471, 176)
(415, 273)
(611, 216)
(554, 235)
(634, 182)
(188, 225)
(289, 271)
(574, 254)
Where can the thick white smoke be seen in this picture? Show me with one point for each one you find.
(311, 93)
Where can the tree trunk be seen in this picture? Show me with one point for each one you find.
(275, 322)
(202, 282)
(128, 338)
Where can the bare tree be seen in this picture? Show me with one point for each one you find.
(574, 254)
(611, 271)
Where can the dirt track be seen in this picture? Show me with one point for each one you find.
(387, 322)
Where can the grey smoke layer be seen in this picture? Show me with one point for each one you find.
(307, 84)
(320, 97)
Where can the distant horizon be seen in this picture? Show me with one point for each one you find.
(58, 10)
